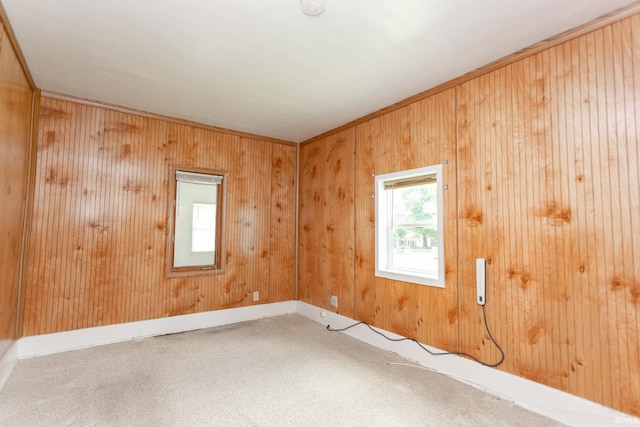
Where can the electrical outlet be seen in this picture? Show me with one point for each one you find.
(334, 301)
(256, 296)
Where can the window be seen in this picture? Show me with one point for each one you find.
(409, 226)
(194, 246)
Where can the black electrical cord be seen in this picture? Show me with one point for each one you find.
(444, 353)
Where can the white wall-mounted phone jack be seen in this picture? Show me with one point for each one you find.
(481, 280)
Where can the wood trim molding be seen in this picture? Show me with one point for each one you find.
(28, 210)
(594, 25)
(126, 110)
(459, 219)
(16, 47)
(297, 218)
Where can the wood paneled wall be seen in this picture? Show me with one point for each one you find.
(99, 227)
(545, 161)
(421, 134)
(325, 225)
(15, 123)
(549, 160)
(336, 226)
(283, 223)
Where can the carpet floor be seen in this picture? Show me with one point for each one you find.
(282, 371)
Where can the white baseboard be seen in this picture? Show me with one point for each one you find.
(40, 345)
(547, 401)
(550, 402)
(7, 362)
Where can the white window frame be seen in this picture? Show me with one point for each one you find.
(383, 225)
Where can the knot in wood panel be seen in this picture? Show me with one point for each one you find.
(557, 214)
(616, 284)
(533, 334)
(473, 216)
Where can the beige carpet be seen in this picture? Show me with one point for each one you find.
(284, 371)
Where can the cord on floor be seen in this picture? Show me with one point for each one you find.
(444, 353)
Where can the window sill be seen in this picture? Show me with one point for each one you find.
(192, 272)
(417, 279)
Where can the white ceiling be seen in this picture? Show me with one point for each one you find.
(262, 66)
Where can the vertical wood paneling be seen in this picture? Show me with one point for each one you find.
(548, 154)
(630, 59)
(420, 134)
(15, 120)
(546, 175)
(100, 219)
(367, 292)
(255, 217)
(549, 161)
(325, 226)
(283, 223)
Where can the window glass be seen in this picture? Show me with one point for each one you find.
(203, 227)
(409, 244)
(196, 221)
